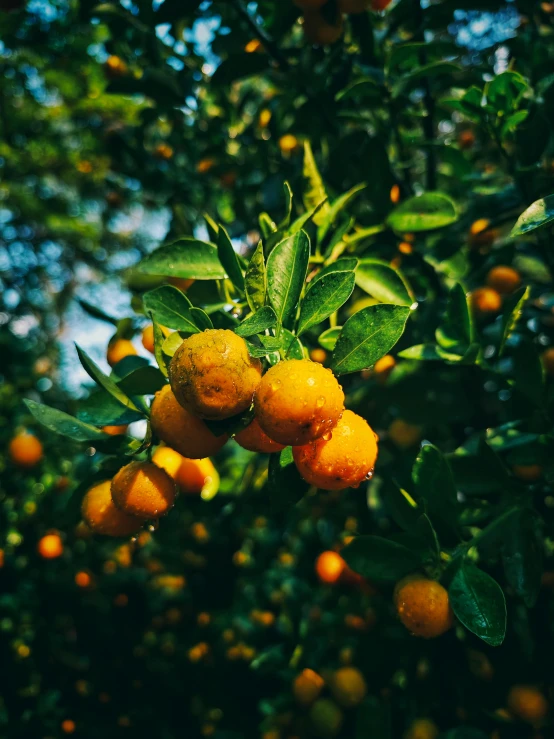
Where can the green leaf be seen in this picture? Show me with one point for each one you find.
(505, 91)
(512, 122)
(158, 346)
(285, 486)
(187, 257)
(454, 332)
(291, 346)
(380, 559)
(258, 322)
(171, 308)
(256, 280)
(336, 208)
(423, 71)
(512, 311)
(344, 264)
(382, 282)
(522, 554)
(328, 339)
(96, 312)
(103, 380)
(288, 207)
(101, 409)
(479, 604)
(537, 215)
(423, 213)
(314, 193)
(434, 484)
(171, 344)
(64, 424)
(143, 381)
(428, 353)
(324, 297)
(237, 66)
(367, 336)
(229, 260)
(529, 373)
(287, 267)
(301, 221)
(200, 318)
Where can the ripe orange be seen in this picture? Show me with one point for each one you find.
(422, 728)
(204, 165)
(318, 31)
(255, 439)
(197, 476)
(168, 459)
(527, 472)
(383, 367)
(342, 458)
(466, 139)
(288, 143)
(212, 374)
(329, 567)
(528, 703)
(264, 118)
(548, 361)
(163, 151)
(143, 489)
(298, 401)
(318, 355)
(395, 194)
(481, 234)
(503, 279)
(348, 687)
(50, 546)
(115, 67)
(404, 434)
(485, 301)
(148, 337)
(114, 430)
(423, 606)
(307, 686)
(101, 515)
(182, 283)
(118, 349)
(25, 450)
(181, 430)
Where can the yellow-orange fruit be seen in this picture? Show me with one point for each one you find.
(298, 401)
(309, 4)
(182, 283)
(253, 46)
(148, 337)
(168, 459)
(380, 4)
(342, 458)
(50, 546)
(354, 6)
(548, 361)
(204, 165)
(348, 687)
(118, 349)
(404, 434)
(422, 728)
(181, 430)
(395, 194)
(481, 234)
(288, 143)
(383, 367)
(527, 472)
(195, 476)
(212, 374)
(255, 439)
(25, 450)
(423, 606)
(264, 118)
(307, 686)
(329, 567)
(503, 279)
(326, 718)
(101, 515)
(143, 489)
(318, 31)
(528, 703)
(115, 67)
(114, 430)
(163, 151)
(466, 139)
(318, 355)
(485, 301)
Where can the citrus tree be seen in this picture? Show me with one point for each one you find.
(346, 375)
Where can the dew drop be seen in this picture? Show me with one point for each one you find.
(328, 436)
(320, 401)
(369, 475)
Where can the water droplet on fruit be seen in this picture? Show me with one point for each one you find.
(320, 401)
(328, 436)
(369, 475)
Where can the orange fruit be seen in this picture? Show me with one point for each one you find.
(25, 450)
(318, 31)
(212, 374)
(118, 349)
(101, 515)
(182, 283)
(318, 355)
(307, 686)
(288, 143)
(197, 476)
(143, 489)
(264, 118)
(485, 301)
(348, 687)
(50, 546)
(422, 728)
(168, 459)
(423, 606)
(503, 279)
(527, 472)
(548, 361)
(255, 439)
(380, 4)
(204, 165)
(481, 234)
(298, 401)
(114, 430)
(404, 434)
(342, 458)
(115, 67)
(329, 567)
(148, 337)
(527, 703)
(180, 430)
(163, 151)
(395, 194)
(466, 139)
(383, 367)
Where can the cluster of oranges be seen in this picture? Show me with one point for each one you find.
(320, 30)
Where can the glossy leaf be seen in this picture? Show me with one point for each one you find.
(64, 424)
(314, 193)
(328, 339)
(143, 381)
(381, 281)
(256, 280)
(187, 257)
(479, 604)
(455, 330)
(325, 297)
(287, 267)
(522, 554)
(229, 260)
(102, 409)
(103, 380)
(512, 310)
(423, 213)
(258, 322)
(434, 484)
(171, 308)
(380, 559)
(367, 336)
(537, 215)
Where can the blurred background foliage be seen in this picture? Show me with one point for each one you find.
(124, 124)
